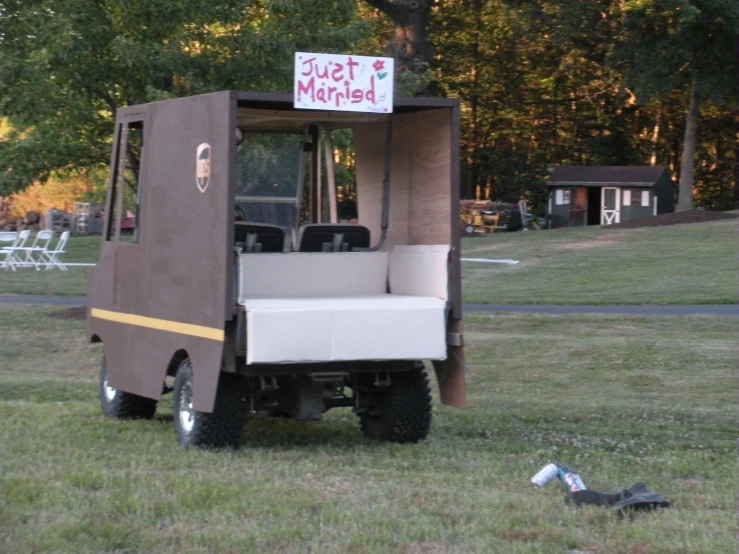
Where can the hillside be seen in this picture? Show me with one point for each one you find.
(663, 264)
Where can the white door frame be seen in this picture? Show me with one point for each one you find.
(607, 217)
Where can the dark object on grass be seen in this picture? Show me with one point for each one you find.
(637, 498)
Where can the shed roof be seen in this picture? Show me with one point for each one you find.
(604, 175)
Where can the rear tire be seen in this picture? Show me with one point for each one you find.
(222, 428)
(123, 405)
(400, 412)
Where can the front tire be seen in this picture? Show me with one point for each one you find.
(400, 412)
(224, 427)
(118, 404)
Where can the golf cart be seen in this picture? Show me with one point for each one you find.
(241, 292)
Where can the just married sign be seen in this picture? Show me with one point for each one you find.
(343, 82)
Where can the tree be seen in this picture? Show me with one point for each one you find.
(681, 45)
(65, 67)
(409, 46)
(536, 90)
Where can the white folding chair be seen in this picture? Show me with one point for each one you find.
(50, 258)
(40, 245)
(7, 241)
(12, 253)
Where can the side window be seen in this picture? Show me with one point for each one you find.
(636, 198)
(562, 196)
(124, 200)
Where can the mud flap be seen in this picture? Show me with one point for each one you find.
(451, 378)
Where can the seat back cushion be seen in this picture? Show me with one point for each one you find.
(419, 270)
(306, 275)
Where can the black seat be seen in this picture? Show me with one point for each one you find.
(333, 237)
(259, 237)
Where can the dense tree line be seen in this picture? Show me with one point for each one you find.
(542, 83)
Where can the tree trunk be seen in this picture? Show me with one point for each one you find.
(472, 161)
(655, 138)
(687, 163)
(735, 196)
(409, 46)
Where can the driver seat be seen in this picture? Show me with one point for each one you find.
(259, 237)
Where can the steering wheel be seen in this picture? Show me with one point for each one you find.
(240, 214)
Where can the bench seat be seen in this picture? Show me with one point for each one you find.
(344, 306)
(368, 327)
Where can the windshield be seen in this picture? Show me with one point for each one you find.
(268, 176)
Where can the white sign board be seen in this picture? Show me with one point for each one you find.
(343, 82)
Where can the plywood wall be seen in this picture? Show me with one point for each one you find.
(421, 178)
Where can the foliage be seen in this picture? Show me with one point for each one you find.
(695, 44)
(66, 66)
(541, 83)
(689, 38)
(541, 86)
(55, 193)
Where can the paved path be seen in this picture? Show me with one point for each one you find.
(709, 310)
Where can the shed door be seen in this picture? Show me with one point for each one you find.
(610, 211)
(578, 207)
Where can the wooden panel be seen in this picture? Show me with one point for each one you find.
(421, 178)
(369, 142)
(429, 135)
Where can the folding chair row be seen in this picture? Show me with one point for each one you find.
(37, 255)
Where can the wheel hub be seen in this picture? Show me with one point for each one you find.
(109, 391)
(185, 409)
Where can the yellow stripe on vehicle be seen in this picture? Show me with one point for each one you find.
(160, 324)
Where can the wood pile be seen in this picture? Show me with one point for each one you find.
(11, 222)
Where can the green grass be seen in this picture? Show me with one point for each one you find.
(677, 264)
(80, 249)
(621, 399)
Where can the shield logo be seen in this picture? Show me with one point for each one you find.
(203, 166)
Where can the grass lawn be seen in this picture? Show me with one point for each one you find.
(677, 264)
(621, 399)
(80, 249)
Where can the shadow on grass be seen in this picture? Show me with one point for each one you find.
(275, 433)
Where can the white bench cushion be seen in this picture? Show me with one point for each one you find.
(318, 274)
(419, 270)
(369, 327)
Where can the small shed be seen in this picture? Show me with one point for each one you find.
(602, 195)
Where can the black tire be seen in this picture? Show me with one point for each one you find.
(222, 428)
(469, 229)
(400, 412)
(123, 405)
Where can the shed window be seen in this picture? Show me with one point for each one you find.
(562, 196)
(636, 198)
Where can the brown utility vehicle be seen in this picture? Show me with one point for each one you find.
(240, 291)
